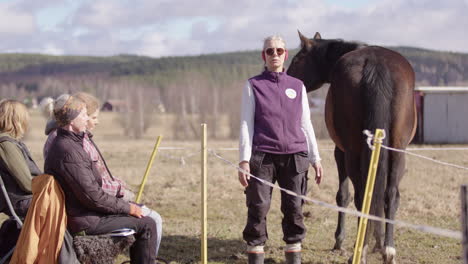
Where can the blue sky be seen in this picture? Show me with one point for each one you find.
(186, 27)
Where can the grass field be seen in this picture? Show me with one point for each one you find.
(429, 196)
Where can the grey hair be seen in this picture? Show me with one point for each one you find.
(60, 102)
(273, 38)
(47, 107)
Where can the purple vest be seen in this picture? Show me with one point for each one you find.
(278, 113)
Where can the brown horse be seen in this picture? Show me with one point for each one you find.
(370, 87)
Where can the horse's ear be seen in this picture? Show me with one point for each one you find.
(305, 42)
(317, 36)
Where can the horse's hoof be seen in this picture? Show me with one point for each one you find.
(363, 256)
(389, 255)
(338, 245)
(350, 260)
(341, 251)
(377, 248)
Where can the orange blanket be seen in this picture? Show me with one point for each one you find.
(42, 234)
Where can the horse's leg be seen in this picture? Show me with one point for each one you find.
(378, 201)
(378, 232)
(392, 200)
(353, 169)
(342, 198)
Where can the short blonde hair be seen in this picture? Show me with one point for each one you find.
(14, 118)
(273, 38)
(92, 103)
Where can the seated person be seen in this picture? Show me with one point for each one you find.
(89, 207)
(17, 168)
(110, 184)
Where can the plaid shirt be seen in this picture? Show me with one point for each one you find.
(110, 185)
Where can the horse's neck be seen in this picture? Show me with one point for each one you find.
(336, 49)
(341, 48)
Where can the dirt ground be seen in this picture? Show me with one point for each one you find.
(429, 196)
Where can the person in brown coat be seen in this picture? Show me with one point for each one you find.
(89, 208)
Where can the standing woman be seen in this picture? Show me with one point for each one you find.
(277, 143)
(17, 168)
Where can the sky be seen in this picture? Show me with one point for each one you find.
(160, 28)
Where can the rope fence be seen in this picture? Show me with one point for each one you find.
(426, 229)
(183, 158)
(458, 235)
(422, 228)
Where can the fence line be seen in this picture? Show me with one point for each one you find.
(370, 137)
(426, 229)
(426, 158)
(182, 159)
(422, 228)
(329, 149)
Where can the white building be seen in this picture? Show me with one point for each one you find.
(442, 114)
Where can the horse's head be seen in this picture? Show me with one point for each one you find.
(307, 64)
(314, 63)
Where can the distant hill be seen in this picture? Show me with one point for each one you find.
(196, 89)
(431, 67)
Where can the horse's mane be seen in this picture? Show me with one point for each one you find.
(328, 51)
(339, 46)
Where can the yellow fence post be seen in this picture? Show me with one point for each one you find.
(373, 165)
(148, 167)
(204, 218)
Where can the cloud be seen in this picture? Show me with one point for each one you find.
(181, 27)
(15, 22)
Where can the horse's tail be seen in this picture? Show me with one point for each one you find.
(377, 89)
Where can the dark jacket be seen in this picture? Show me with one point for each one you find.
(16, 170)
(86, 202)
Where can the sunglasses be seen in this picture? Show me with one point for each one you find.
(271, 51)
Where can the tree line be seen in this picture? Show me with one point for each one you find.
(204, 88)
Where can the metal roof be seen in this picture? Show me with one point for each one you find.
(442, 89)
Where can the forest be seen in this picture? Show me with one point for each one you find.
(204, 88)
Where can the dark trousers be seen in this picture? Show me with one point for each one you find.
(290, 171)
(142, 251)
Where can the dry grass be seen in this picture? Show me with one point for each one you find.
(429, 196)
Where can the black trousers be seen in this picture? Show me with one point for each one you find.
(143, 250)
(290, 171)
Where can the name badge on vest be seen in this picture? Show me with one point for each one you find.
(290, 93)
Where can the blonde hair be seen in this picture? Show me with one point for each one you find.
(273, 38)
(14, 118)
(92, 103)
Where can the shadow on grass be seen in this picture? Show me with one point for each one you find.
(186, 249)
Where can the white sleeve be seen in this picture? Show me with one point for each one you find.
(246, 123)
(306, 126)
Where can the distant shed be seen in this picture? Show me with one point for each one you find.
(442, 115)
(114, 105)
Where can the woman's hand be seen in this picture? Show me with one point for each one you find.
(128, 195)
(243, 177)
(318, 171)
(135, 211)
